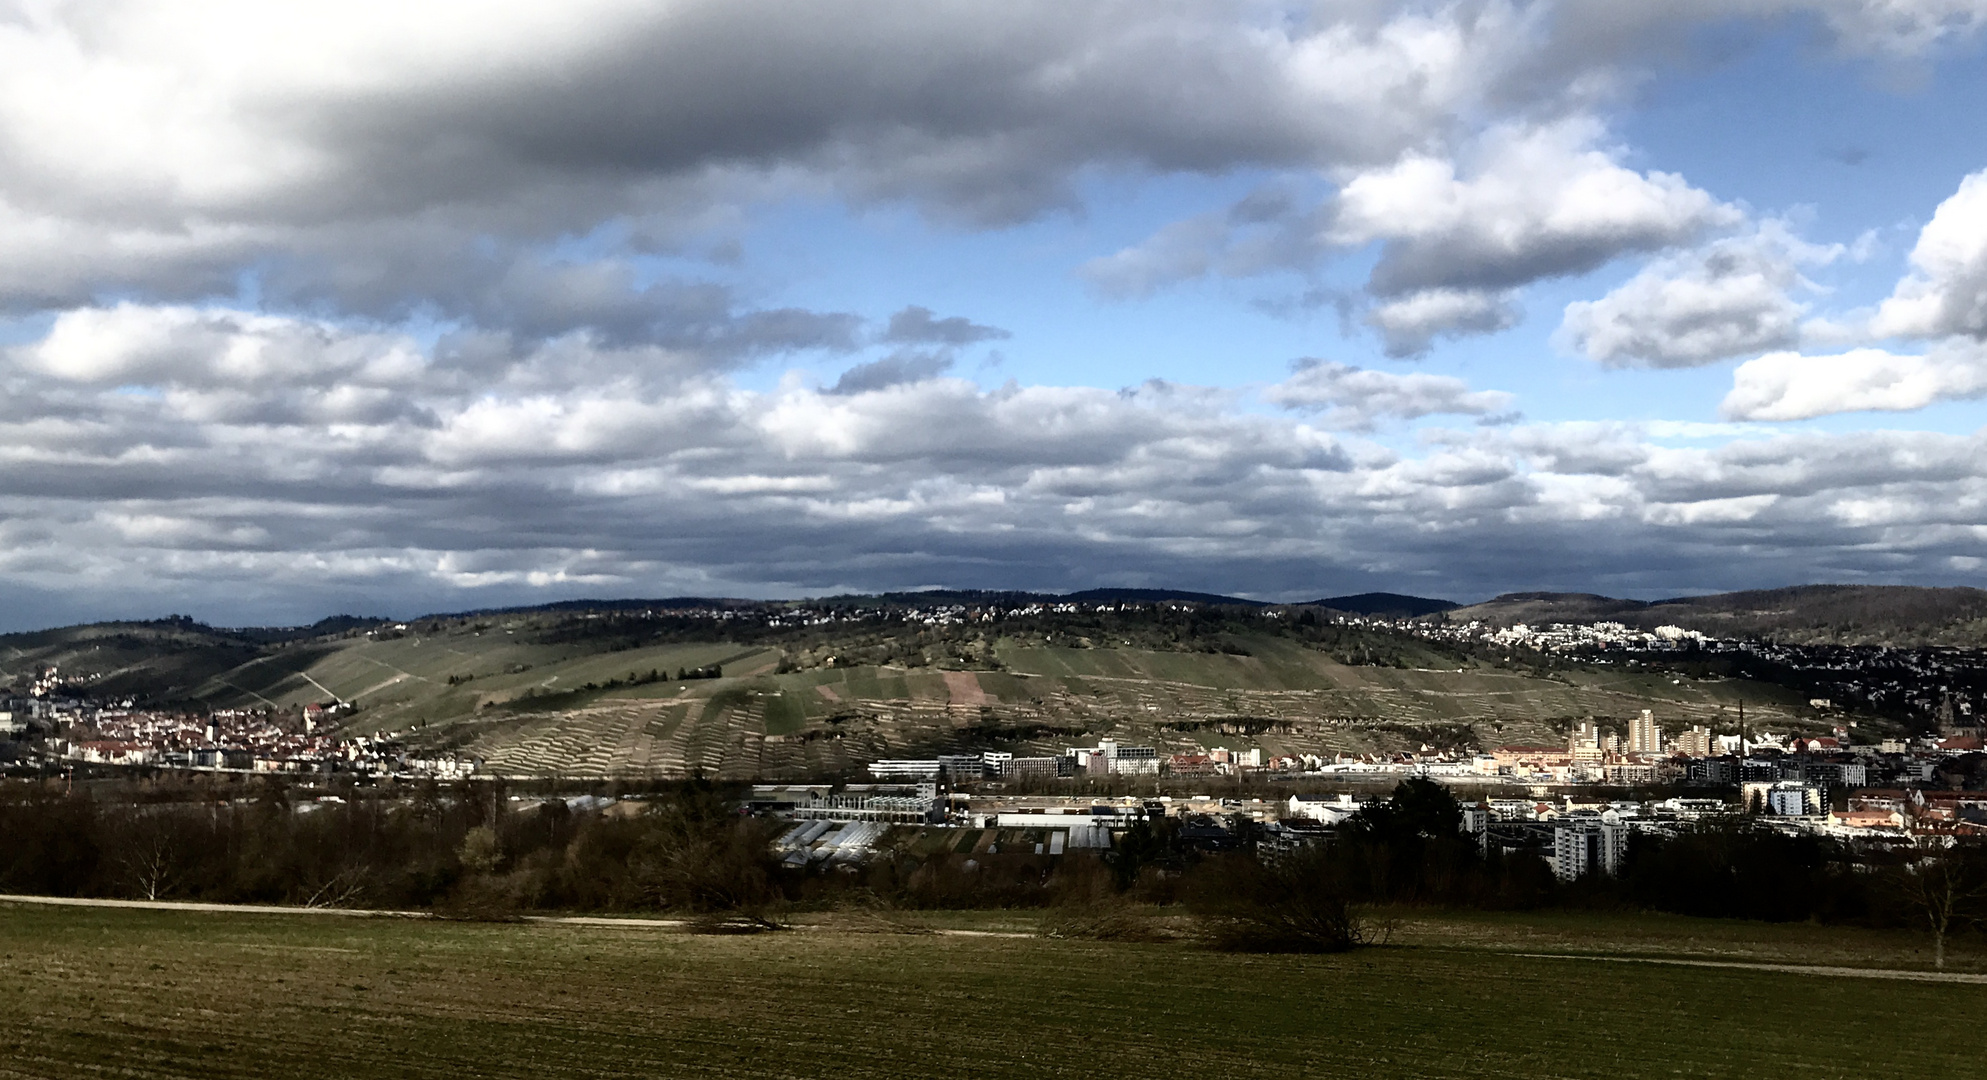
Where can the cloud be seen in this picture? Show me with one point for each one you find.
(361, 153)
(916, 326)
(1728, 298)
(1536, 202)
(892, 370)
(157, 454)
(359, 159)
(370, 156)
(1409, 324)
(609, 300)
(364, 306)
(1351, 398)
(1273, 228)
(928, 347)
(1946, 291)
(1790, 386)
(1456, 235)
(1898, 28)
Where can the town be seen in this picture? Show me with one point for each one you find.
(1573, 803)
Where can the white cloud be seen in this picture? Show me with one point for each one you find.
(1728, 298)
(1790, 386)
(1536, 202)
(1409, 324)
(189, 347)
(1899, 28)
(1946, 291)
(1457, 234)
(1351, 398)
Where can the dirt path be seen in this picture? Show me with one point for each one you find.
(964, 688)
(1796, 969)
(189, 905)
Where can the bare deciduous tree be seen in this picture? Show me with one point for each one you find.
(1945, 884)
(154, 856)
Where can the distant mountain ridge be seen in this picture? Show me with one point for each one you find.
(1898, 615)
(1386, 604)
(1373, 603)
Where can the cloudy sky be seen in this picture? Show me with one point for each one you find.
(392, 308)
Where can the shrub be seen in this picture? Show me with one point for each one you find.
(1292, 905)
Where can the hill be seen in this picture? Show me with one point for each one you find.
(1893, 615)
(794, 692)
(740, 689)
(1386, 605)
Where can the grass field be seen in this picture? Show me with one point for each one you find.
(92, 992)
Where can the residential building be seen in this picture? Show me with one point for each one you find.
(1784, 798)
(1587, 847)
(1695, 742)
(1645, 736)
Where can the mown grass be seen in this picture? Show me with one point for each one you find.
(1658, 934)
(170, 994)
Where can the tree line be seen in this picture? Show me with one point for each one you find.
(471, 850)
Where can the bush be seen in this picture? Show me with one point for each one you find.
(1292, 905)
(1113, 919)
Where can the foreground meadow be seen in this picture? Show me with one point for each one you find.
(115, 992)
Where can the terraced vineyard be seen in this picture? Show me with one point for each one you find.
(758, 723)
(537, 697)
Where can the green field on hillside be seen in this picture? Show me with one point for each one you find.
(147, 994)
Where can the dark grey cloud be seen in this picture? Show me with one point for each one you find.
(521, 128)
(516, 487)
(917, 326)
(387, 164)
(892, 370)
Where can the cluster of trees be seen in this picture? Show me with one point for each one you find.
(461, 850)
(1410, 851)
(472, 850)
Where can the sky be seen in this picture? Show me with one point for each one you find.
(377, 308)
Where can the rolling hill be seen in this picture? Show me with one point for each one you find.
(597, 693)
(1894, 615)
